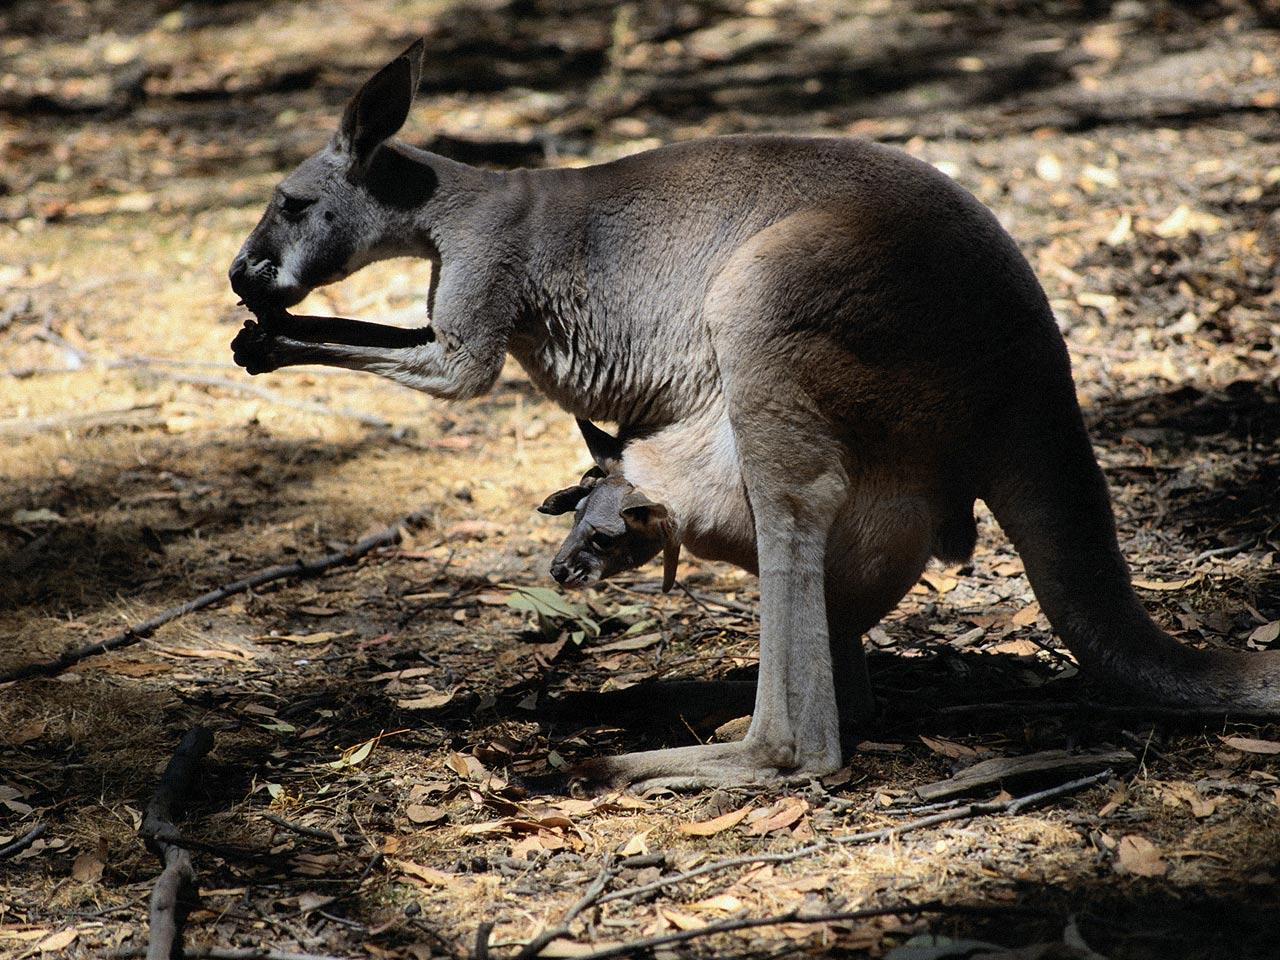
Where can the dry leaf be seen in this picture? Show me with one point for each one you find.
(628, 643)
(33, 730)
(57, 941)
(681, 921)
(321, 636)
(421, 813)
(1027, 615)
(1140, 857)
(1168, 584)
(637, 846)
(948, 748)
(778, 817)
(430, 700)
(725, 903)
(1266, 634)
(87, 868)
(1249, 745)
(709, 828)
(428, 875)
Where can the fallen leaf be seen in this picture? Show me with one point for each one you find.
(778, 817)
(1027, 615)
(681, 921)
(430, 700)
(1266, 634)
(1249, 745)
(1140, 857)
(428, 875)
(42, 515)
(709, 828)
(421, 813)
(321, 636)
(948, 748)
(1168, 584)
(319, 611)
(637, 846)
(87, 868)
(57, 941)
(32, 730)
(628, 643)
(724, 903)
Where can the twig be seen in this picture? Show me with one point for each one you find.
(592, 896)
(229, 953)
(696, 597)
(966, 811)
(299, 568)
(271, 396)
(137, 416)
(794, 916)
(176, 883)
(24, 841)
(1220, 552)
(1105, 709)
(332, 836)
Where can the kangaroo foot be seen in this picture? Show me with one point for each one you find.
(744, 763)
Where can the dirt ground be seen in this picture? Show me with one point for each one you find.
(399, 707)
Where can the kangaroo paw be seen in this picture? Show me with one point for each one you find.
(692, 768)
(259, 350)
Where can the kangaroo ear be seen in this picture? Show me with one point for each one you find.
(563, 501)
(606, 450)
(380, 108)
(637, 508)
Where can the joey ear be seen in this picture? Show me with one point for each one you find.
(380, 108)
(563, 501)
(637, 508)
(606, 450)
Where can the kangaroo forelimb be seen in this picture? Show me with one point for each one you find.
(356, 333)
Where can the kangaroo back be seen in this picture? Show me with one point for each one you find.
(1049, 495)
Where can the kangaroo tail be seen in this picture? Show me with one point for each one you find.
(1048, 493)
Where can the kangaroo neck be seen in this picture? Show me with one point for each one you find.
(607, 327)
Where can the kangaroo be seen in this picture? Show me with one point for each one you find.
(853, 332)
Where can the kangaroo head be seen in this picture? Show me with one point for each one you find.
(615, 526)
(344, 206)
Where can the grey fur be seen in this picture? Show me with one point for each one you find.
(836, 331)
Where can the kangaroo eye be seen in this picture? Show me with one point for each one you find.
(294, 207)
(602, 541)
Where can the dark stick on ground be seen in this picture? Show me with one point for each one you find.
(24, 841)
(588, 899)
(794, 916)
(175, 888)
(231, 953)
(1011, 806)
(299, 568)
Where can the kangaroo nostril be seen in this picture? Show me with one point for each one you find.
(559, 572)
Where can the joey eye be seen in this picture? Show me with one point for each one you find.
(294, 207)
(602, 541)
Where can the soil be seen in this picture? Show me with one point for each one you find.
(407, 708)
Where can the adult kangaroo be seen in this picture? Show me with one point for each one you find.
(853, 331)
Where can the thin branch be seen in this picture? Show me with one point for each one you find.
(332, 836)
(229, 953)
(24, 841)
(966, 811)
(1051, 707)
(175, 887)
(794, 916)
(299, 568)
(592, 896)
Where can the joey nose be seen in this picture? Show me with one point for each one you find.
(560, 572)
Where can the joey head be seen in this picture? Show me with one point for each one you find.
(615, 526)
